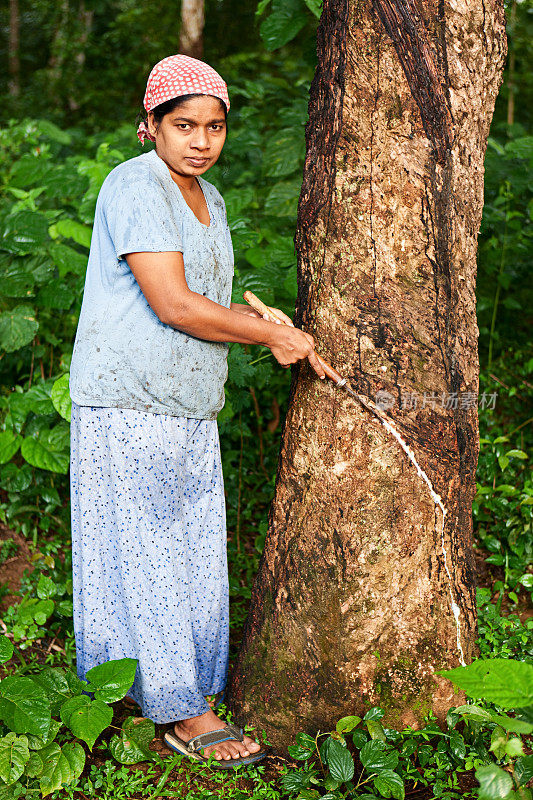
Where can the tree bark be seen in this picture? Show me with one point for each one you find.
(85, 24)
(366, 585)
(13, 49)
(192, 28)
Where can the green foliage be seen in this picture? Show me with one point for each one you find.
(46, 599)
(509, 684)
(503, 681)
(362, 759)
(502, 636)
(132, 745)
(35, 709)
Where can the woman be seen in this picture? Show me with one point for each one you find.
(147, 382)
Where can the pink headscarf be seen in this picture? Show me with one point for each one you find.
(178, 75)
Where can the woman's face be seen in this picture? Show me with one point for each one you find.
(191, 138)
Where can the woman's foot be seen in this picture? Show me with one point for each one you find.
(187, 728)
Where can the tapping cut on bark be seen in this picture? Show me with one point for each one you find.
(366, 586)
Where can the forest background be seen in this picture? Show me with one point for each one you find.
(70, 97)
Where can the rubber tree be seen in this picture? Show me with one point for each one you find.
(366, 586)
(192, 28)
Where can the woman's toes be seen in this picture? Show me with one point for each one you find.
(251, 745)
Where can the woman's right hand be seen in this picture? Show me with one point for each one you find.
(290, 345)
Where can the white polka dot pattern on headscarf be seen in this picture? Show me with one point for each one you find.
(175, 76)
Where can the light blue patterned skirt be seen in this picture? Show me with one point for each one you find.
(150, 568)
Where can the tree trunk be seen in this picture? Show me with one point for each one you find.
(512, 67)
(85, 24)
(366, 585)
(13, 49)
(192, 28)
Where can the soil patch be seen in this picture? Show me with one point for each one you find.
(12, 569)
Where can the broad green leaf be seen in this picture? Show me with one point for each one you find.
(62, 766)
(56, 766)
(17, 328)
(457, 745)
(474, 712)
(51, 131)
(71, 229)
(23, 706)
(494, 782)
(110, 681)
(506, 682)
(498, 740)
(132, 745)
(523, 769)
(238, 199)
(517, 454)
(14, 755)
(286, 20)
(28, 170)
(377, 756)
(67, 260)
(55, 295)
(389, 784)
(284, 153)
(24, 232)
(6, 649)
(48, 450)
(61, 397)
(315, 6)
(340, 762)
(347, 724)
(376, 730)
(59, 685)
(37, 399)
(359, 738)
(46, 588)
(511, 723)
(282, 199)
(374, 713)
(15, 281)
(305, 740)
(300, 753)
(514, 747)
(86, 718)
(38, 742)
(9, 444)
(281, 250)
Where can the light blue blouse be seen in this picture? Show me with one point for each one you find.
(124, 356)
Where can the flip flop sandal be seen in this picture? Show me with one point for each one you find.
(193, 746)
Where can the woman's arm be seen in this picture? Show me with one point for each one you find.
(161, 277)
(242, 308)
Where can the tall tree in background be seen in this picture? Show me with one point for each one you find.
(13, 49)
(366, 585)
(192, 28)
